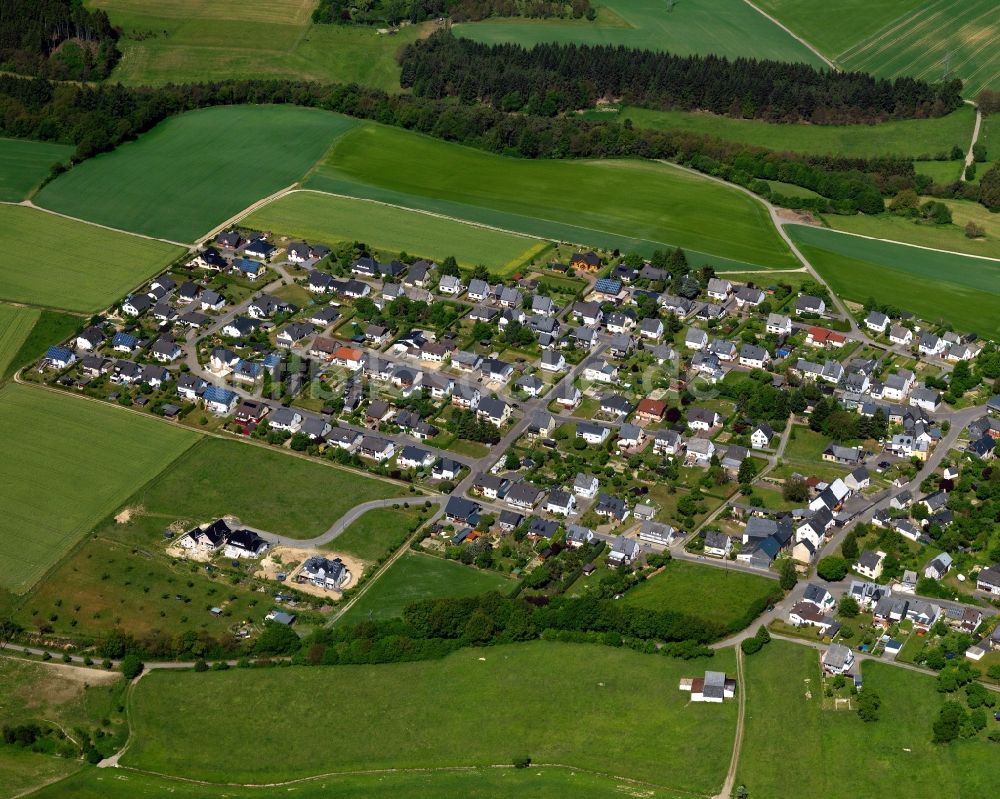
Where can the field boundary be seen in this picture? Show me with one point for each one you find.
(897, 242)
(30, 204)
(794, 35)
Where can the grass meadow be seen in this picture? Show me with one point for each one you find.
(60, 263)
(195, 171)
(22, 771)
(328, 219)
(893, 754)
(193, 40)
(910, 137)
(624, 204)
(68, 463)
(718, 596)
(376, 533)
(417, 576)
(946, 287)
(722, 27)
(24, 164)
(476, 707)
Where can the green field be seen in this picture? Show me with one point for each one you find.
(56, 262)
(626, 204)
(940, 171)
(24, 164)
(893, 754)
(193, 40)
(376, 533)
(718, 596)
(911, 137)
(723, 27)
(68, 464)
(15, 325)
(268, 490)
(196, 170)
(474, 707)
(49, 327)
(22, 771)
(416, 576)
(328, 219)
(947, 287)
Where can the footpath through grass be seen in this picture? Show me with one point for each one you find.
(24, 164)
(571, 704)
(785, 724)
(60, 263)
(67, 464)
(195, 171)
(623, 203)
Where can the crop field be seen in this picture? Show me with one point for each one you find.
(937, 286)
(197, 40)
(50, 495)
(328, 219)
(625, 204)
(15, 325)
(718, 596)
(268, 490)
(196, 170)
(416, 576)
(56, 262)
(723, 27)
(24, 164)
(910, 137)
(184, 722)
(376, 533)
(48, 328)
(785, 722)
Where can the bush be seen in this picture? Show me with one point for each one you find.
(522, 762)
(832, 568)
(131, 666)
(200, 665)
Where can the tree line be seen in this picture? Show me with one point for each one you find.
(552, 78)
(393, 12)
(56, 38)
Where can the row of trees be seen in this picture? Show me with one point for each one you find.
(393, 12)
(553, 78)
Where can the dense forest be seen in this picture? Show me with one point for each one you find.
(393, 12)
(553, 78)
(56, 38)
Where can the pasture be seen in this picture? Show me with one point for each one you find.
(15, 325)
(894, 753)
(184, 722)
(721, 27)
(61, 263)
(718, 596)
(376, 533)
(418, 576)
(196, 170)
(910, 137)
(638, 205)
(24, 164)
(946, 287)
(328, 219)
(192, 40)
(60, 476)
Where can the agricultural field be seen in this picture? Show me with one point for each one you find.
(89, 269)
(24, 164)
(948, 287)
(329, 219)
(630, 205)
(911, 137)
(192, 40)
(718, 596)
(417, 576)
(48, 328)
(196, 170)
(722, 27)
(183, 722)
(376, 533)
(15, 325)
(785, 721)
(50, 495)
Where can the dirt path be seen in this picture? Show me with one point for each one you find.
(795, 36)
(969, 159)
(30, 204)
(247, 211)
(734, 762)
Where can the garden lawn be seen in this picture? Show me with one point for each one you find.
(893, 754)
(195, 171)
(15, 326)
(376, 533)
(60, 263)
(67, 464)
(488, 783)
(911, 137)
(187, 41)
(418, 576)
(640, 205)
(478, 706)
(24, 164)
(947, 287)
(722, 597)
(269, 490)
(328, 219)
(722, 27)
(940, 237)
